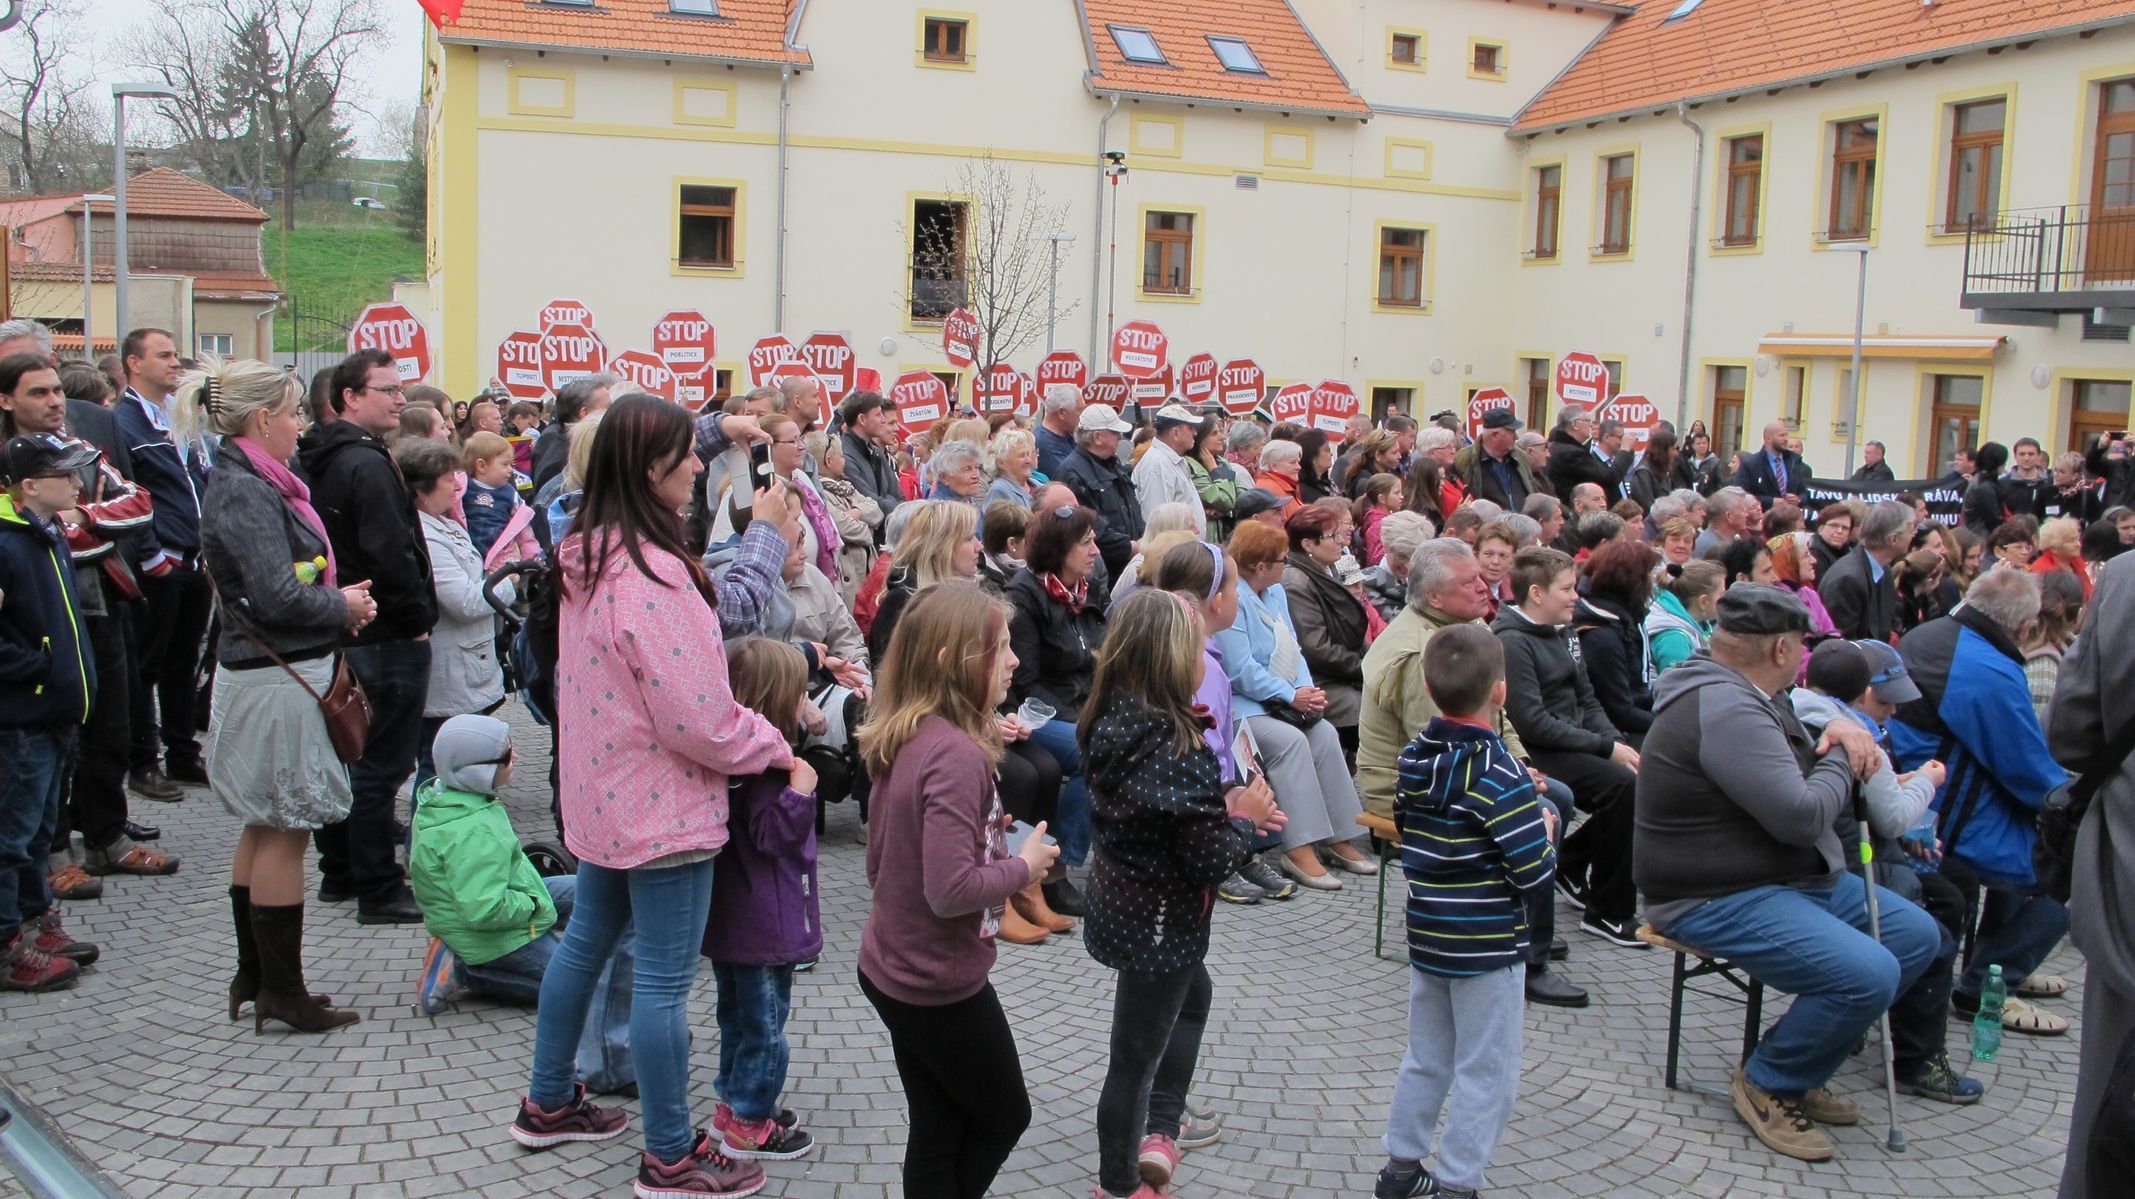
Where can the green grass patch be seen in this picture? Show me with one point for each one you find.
(331, 272)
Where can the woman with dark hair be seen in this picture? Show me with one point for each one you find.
(1661, 470)
(1316, 459)
(648, 735)
(1983, 507)
(1216, 480)
(1426, 481)
(1835, 526)
(1920, 577)
(1328, 617)
(1610, 622)
(1376, 453)
(1057, 623)
(1747, 560)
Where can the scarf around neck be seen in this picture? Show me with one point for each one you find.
(293, 492)
(1075, 599)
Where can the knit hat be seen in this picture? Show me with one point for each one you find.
(468, 751)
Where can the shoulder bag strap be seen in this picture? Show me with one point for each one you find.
(243, 626)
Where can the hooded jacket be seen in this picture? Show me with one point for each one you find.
(1472, 841)
(1893, 807)
(479, 893)
(1671, 635)
(47, 670)
(370, 518)
(1731, 795)
(1548, 696)
(1164, 841)
(1975, 713)
(1618, 662)
(765, 887)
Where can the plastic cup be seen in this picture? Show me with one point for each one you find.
(1035, 714)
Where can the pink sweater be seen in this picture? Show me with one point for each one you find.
(647, 731)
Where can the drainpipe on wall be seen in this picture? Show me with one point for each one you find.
(778, 294)
(1097, 238)
(1690, 263)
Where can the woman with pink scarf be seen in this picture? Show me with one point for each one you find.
(284, 612)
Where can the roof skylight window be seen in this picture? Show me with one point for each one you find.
(1137, 45)
(694, 8)
(1235, 55)
(1682, 10)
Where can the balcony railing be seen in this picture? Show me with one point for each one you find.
(2042, 252)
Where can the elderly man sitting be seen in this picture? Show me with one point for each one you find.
(1736, 852)
(1445, 587)
(1975, 713)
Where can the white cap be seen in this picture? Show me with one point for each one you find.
(1099, 418)
(1176, 413)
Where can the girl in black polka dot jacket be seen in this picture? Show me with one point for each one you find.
(1167, 831)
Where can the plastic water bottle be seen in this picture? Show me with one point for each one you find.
(1987, 1025)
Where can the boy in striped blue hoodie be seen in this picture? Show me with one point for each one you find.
(1473, 841)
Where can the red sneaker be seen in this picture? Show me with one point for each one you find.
(53, 940)
(24, 967)
(703, 1173)
(541, 1128)
(1160, 1160)
(764, 1139)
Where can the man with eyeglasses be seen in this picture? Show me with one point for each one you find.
(370, 519)
(173, 621)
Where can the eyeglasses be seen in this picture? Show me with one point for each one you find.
(394, 390)
(785, 441)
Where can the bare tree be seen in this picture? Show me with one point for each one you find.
(992, 254)
(50, 115)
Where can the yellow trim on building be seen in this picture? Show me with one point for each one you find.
(1429, 280)
(1924, 405)
(1275, 132)
(1504, 59)
(458, 191)
(733, 102)
(1530, 200)
(1938, 197)
(517, 105)
(1827, 125)
(2062, 414)
(1198, 284)
(1598, 227)
(1715, 245)
(971, 43)
(1173, 146)
(2085, 157)
(1396, 144)
(1423, 48)
(740, 239)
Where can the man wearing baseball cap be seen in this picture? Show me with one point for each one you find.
(1258, 503)
(1736, 850)
(1161, 476)
(47, 685)
(1492, 468)
(1093, 472)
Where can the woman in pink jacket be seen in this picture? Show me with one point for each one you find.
(649, 734)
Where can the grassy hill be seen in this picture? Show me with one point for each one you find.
(333, 270)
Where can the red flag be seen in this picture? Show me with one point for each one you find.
(442, 12)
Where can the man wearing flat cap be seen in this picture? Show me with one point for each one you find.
(1493, 469)
(1735, 850)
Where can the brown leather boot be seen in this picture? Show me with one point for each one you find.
(279, 933)
(1016, 929)
(244, 986)
(1030, 904)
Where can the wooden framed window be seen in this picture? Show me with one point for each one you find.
(1614, 367)
(1486, 60)
(1401, 267)
(2109, 249)
(1617, 172)
(1405, 49)
(1168, 253)
(947, 40)
(940, 258)
(1730, 384)
(2097, 407)
(1975, 164)
(1853, 180)
(1953, 416)
(705, 236)
(1538, 376)
(1549, 207)
(1745, 186)
(1793, 395)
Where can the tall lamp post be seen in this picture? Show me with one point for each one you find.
(89, 273)
(1860, 316)
(1052, 285)
(119, 93)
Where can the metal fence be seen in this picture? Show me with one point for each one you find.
(2061, 249)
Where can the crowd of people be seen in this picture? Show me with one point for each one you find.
(1072, 668)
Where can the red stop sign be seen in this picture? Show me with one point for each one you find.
(1240, 386)
(960, 339)
(1151, 393)
(569, 352)
(995, 391)
(519, 365)
(921, 399)
(831, 356)
(565, 312)
(644, 368)
(1582, 379)
(1197, 379)
(1640, 416)
(1333, 403)
(1140, 350)
(1292, 404)
(1062, 366)
(1107, 389)
(697, 390)
(765, 356)
(685, 341)
(394, 329)
(1482, 404)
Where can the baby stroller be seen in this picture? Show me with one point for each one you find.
(526, 641)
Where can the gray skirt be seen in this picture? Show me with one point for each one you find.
(269, 758)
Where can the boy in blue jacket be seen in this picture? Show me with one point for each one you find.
(1474, 841)
(47, 684)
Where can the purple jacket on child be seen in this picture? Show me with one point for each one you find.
(765, 911)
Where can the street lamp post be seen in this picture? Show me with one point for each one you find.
(1860, 316)
(119, 92)
(1052, 286)
(89, 273)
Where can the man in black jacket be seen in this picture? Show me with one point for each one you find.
(1094, 473)
(2028, 489)
(1567, 736)
(867, 417)
(371, 520)
(1572, 458)
(575, 401)
(1774, 471)
(1861, 593)
(1873, 468)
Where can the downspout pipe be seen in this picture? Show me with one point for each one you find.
(1690, 262)
(1097, 238)
(778, 284)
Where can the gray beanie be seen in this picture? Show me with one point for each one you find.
(467, 751)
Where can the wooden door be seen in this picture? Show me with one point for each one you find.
(2110, 252)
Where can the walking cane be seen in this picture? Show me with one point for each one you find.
(1896, 1143)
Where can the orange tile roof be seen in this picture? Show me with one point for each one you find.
(744, 30)
(1646, 61)
(158, 191)
(1299, 75)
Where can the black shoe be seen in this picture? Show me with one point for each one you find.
(190, 773)
(1573, 891)
(333, 892)
(1404, 1184)
(398, 908)
(1547, 988)
(1558, 950)
(149, 783)
(1620, 932)
(1063, 898)
(143, 832)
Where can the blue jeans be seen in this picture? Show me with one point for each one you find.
(604, 1050)
(357, 853)
(753, 1003)
(1814, 945)
(34, 766)
(2016, 932)
(1072, 815)
(670, 906)
(1541, 902)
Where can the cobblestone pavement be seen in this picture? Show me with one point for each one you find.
(139, 1066)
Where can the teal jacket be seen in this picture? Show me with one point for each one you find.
(479, 893)
(1673, 635)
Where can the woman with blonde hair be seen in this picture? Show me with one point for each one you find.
(940, 542)
(942, 874)
(1174, 517)
(1685, 604)
(2061, 551)
(270, 758)
(1015, 460)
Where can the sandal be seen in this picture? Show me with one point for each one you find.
(2019, 1016)
(2042, 986)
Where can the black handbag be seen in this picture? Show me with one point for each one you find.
(2053, 854)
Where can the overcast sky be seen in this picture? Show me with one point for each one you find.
(394, 61)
